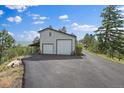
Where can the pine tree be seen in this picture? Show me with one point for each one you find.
(36, 40)
(89, 41)
(6, 42)
(64, 29)
(109, 36)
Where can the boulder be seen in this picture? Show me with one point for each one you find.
(15, 63)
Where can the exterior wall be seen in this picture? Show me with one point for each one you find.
(45, 38)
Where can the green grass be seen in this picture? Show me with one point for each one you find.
(114, 59)
(3, 67)
(108, 58)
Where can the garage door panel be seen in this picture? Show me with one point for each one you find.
(47, 49)
(64, 47)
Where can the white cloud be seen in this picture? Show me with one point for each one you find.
(37, 16)
(38, 22)
(31, 14)
(27, 36)
(67, 20)
(11, 33)
(43, 17)
(11, 19)
(37, 19)
(121, 8)
(122, 13)
(1, 12)
(16, 19)
(74, 24)
(83, 27)
(19, 8)
(5, 25)
(63, 17)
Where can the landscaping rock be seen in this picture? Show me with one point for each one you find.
(15, 63)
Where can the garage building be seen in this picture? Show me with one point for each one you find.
(57, 42)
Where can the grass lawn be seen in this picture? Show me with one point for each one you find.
(11, 77)
(108, 58)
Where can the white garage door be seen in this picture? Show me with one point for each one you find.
(47, 49)
(64, 47)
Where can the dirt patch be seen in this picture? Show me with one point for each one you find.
(11, 77)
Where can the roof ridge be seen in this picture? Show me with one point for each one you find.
(56, 31)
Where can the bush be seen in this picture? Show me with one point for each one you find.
(119, 55)
(17, 51)
(93, 48)
(78, 49)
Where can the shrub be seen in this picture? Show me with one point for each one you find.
(15, 52)
(119, 55)
(78, 49)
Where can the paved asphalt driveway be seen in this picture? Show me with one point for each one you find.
(45, 71)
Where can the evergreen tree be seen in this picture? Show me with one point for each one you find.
(6, 41)
(86, 40)
(64, 29)
(109, 36)
(89, 41)
(36, 40)
(50, 27)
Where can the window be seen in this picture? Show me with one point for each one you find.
(50, 34)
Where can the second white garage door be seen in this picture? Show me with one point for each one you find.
(64, 47)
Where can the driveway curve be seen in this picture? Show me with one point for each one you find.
(89, 71)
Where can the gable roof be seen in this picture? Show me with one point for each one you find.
(56, 31)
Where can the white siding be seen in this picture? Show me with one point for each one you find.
(45, 38)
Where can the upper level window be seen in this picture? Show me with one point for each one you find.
(50, 34)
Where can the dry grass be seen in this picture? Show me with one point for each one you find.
(11, 77)
(108, 58)
(111, 59)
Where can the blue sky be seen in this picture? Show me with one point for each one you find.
(23, 22)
